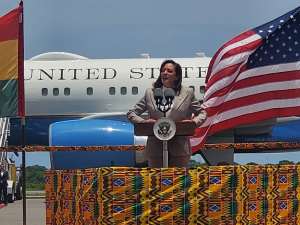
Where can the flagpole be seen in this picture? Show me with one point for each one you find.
(23, 169)
(21, 104)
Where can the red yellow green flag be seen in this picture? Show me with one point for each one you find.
(12, 64)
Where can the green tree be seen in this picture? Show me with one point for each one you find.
(194, 163)
(286, 162)
(35, 177)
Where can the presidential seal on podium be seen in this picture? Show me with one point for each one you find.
(164, 129)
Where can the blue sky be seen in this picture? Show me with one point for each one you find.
(125, 29)
(121, 29)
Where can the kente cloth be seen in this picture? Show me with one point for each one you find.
(251, 194)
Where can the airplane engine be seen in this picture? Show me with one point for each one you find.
(91, 132)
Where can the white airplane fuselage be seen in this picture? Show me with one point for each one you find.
(88, 86)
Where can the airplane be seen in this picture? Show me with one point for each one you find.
(75, 101)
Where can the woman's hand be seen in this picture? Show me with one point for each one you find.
(188, 121)
(149, 121)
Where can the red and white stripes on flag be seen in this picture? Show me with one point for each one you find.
(238, 94)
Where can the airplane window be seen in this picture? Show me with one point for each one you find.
(135, 90)
(89, 91)
(192, 87)
(112, 90)
(44, 91)
(55, 91)
(67, 91)
(202, 89)
(123, 90)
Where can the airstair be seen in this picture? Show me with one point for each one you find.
(4, 132)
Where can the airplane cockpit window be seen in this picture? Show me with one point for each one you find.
(55, 91)
(123, 90)
(89, 91)
(202, 89)
(135, 90)
(44, 91)
(67, 91)
(112, 90)
(192, 87)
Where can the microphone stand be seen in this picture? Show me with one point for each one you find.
(164, 105)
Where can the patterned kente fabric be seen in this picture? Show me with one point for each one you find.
(204, 195)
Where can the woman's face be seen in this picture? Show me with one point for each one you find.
(168, 75)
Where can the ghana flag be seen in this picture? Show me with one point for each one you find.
(12, 64)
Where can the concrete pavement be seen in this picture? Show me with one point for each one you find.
(12, 214)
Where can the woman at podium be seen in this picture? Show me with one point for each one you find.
(184, 107)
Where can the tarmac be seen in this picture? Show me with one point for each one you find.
(12, 214)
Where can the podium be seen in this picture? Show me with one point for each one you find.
(182, 129)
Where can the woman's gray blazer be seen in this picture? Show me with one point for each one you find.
(184, 105)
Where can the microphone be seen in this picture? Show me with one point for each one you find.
(169, 94)
(158, 95)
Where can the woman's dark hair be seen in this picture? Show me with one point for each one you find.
(158, 83)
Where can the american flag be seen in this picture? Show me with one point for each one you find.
(253, 77)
